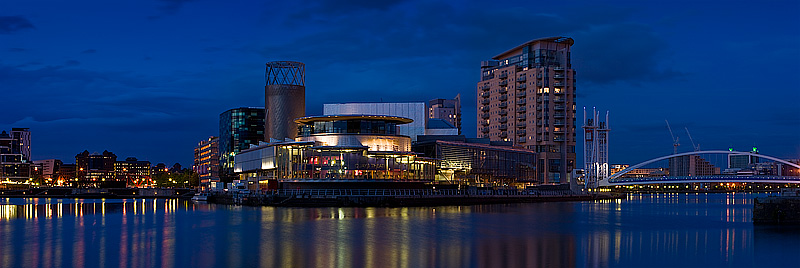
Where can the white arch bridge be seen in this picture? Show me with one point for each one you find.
(617, 179)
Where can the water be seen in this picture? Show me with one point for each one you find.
(666, 230)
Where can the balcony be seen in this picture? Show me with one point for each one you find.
(503, 134)
(521, 132)
(503, 112)
(521, 86)
(503, 97)
(558, 68)
(485, 109)
(559, 138)
(484, 123)
(560, 107)
(485, 88)
(558, 130)
(521, 94)
(485, 101)
(558, 123)
(503, 127)
(485, 94)
(521, 110)
(485, 130)
(521, 117)
(521, 125)
(503, 75)
(521, 140)
(558, 84)
(504, 83)
(521, 102)
(558, 100)
(559, 115)
(558, 91)
(503, 105)
(539, 76)
(503, 119)
(559, 76)
(485, 116)
(521, 79)
(503, 90)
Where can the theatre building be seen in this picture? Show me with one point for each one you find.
(337, 151)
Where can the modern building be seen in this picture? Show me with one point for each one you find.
(15, 164)
(478, 162)
(133, 172)
(742, 161)
(527, 96)
(49, 170)
(96, 169)
(338, 151)
(691, 165)
(448, 110)
(206, 161)
(238, 129)
(285, 99)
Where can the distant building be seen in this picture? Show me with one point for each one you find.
(15, 155)
(96, 169)
(527, 96)
(49, 167)
(691, 165)
(133, 172)
(479, 162)
(742, 161)
(238, 129)
(206, 161)
(448, 110)
(67, 174)
(436, 126)
(158, 169)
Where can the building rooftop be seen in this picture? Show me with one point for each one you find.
(324, 118)
(557, 39)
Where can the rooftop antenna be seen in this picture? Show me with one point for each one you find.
(675, 142)
(696, 147)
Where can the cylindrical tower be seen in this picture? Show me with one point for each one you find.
(285, 98)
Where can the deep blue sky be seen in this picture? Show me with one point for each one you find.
(149, 78)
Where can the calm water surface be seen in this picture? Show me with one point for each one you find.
(666, 230)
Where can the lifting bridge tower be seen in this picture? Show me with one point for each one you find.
(595, 149)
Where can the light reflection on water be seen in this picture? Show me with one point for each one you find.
(664, 230)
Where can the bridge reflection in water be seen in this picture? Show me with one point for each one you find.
(643, 230)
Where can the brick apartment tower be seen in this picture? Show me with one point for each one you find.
(527, 96)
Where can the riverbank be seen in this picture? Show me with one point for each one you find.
(95, 193)
(396, 198)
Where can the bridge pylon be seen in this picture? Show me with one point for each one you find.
(595, 149)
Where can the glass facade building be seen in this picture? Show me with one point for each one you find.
(343, 148)
(477, 162)
(238, 129)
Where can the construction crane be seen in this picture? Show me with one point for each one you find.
(675, 142)
(696, 147)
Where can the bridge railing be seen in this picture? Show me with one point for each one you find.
(731, 178)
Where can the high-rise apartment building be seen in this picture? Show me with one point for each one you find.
(206, 161)
(527, 96)
(238, 128)
(447, 110)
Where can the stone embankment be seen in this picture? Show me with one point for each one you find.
(395, 197)
(776, 210)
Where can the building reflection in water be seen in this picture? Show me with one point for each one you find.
(654, 230)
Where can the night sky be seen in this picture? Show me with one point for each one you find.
(149, 78)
